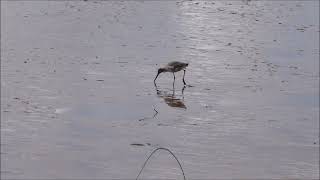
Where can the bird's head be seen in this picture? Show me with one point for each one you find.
(160, 70)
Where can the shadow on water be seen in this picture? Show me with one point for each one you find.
(170, 97)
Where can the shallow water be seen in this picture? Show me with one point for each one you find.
(78, 99)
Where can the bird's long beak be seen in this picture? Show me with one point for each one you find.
(156, 78)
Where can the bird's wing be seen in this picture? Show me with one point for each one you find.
(177, 66)
(174, 63)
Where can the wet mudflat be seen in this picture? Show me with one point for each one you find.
(78, 99)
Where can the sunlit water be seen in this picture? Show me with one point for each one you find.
(77, 89)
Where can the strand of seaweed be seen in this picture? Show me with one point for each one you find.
(165, 149)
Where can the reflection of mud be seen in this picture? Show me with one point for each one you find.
(171, 99)
(174, 102)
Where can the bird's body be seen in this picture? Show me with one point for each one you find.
(173, 67)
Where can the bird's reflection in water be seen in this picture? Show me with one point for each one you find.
(170, 98)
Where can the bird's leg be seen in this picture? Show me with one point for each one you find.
(174, 78)
(173, 86)
(182, 92)
(173, 91)
(184, 72)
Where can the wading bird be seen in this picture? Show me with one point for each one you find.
(173, 67)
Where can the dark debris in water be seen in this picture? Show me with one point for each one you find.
(161, 124)
(137, 144)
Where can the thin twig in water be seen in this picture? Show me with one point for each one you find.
(155, 113)
(145, 118)
(184, 177)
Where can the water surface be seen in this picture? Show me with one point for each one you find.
(77, 92)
